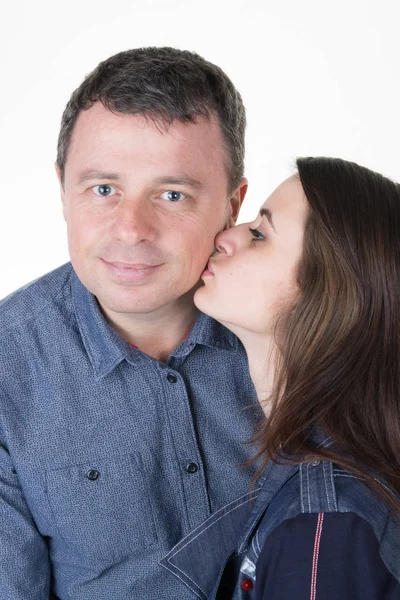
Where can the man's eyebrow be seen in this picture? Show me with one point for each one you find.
(89, 174)
(265, 212)
(171, 180)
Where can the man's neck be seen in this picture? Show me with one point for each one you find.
(158, 333)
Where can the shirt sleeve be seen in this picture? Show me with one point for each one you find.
(24, 563)
(323, 556)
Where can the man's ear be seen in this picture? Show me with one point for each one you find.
(235, 202)
(62, 191)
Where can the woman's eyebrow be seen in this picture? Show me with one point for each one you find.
(265, 212)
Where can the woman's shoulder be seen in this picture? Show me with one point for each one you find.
(311, 485)
(319, 487)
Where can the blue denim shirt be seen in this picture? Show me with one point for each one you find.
(108, 457)
(283, 492)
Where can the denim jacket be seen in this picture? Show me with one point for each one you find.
(283, 492)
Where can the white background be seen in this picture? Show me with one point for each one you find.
(317, 78)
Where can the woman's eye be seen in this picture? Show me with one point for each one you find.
(172, 196)
(257, 235)
(104, 190)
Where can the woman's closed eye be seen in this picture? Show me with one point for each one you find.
(257, 235)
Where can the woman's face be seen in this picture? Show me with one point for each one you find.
(254, 272)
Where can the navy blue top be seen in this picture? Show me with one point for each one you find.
(323, 556)
(108, 456)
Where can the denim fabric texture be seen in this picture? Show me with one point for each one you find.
(283, 492)
(109, 457)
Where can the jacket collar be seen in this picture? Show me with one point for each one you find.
(274, 477)
(272, 480)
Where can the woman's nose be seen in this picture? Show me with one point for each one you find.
(227, 241)
(222, 244)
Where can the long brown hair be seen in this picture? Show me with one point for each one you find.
(339, 367)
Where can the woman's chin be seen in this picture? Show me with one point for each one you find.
(204, 302)
(201, 300)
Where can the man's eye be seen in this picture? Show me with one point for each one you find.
(257, 235)
(104, 190)
(172, 196)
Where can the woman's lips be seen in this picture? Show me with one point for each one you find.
(208, 272)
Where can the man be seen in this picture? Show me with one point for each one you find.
(122, 426)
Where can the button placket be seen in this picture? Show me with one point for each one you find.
(186, 446)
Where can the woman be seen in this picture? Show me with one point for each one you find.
(312, 289)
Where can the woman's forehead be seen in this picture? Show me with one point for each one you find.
(287, 198)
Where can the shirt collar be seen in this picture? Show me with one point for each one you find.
(207, 332)
(106, 348)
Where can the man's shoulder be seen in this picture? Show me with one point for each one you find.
(35, 299)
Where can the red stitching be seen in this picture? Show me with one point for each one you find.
(317, 542)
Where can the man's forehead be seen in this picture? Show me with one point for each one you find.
(99, 116)
(101, 135)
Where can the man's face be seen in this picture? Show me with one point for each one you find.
(143, 207)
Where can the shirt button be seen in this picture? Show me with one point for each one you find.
(172, 378)
(246, 585)
(191, 468)
(92, 474)
(315, 462)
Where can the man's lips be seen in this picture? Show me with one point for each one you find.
(123, 271)
(125, 265)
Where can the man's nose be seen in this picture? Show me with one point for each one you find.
(135, 221)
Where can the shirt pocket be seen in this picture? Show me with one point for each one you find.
(102, 507)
